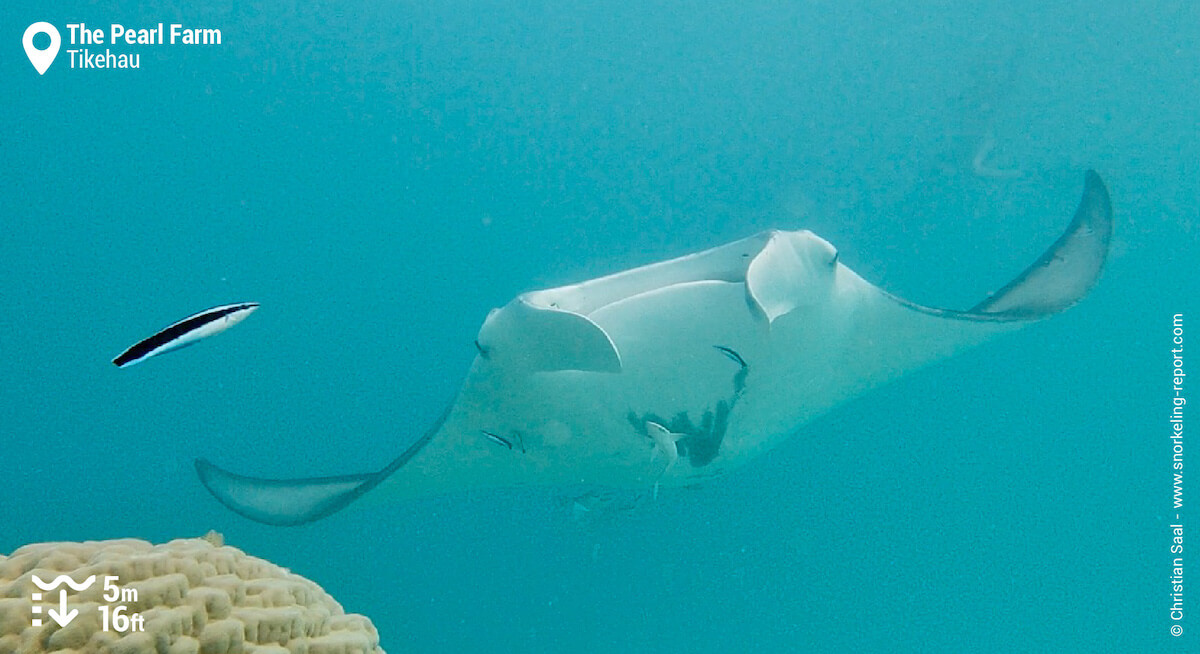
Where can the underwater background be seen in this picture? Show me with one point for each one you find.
(381, 174)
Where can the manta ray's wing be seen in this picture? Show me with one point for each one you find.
(729, 351)
(288, 502)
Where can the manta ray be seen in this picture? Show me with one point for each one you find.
(680, 371)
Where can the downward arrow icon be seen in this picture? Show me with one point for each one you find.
(61, 616)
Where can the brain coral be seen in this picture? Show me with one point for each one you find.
(195, 595)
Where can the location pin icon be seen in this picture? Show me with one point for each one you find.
(41, 59)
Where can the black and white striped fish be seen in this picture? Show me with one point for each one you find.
(186, 332)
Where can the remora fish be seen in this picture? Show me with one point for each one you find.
(726, 352)
(186, 332)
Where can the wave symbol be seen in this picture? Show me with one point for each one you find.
(63, 579)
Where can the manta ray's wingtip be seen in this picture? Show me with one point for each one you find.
(1065, 272)
(282, 502)
(1098, 203)
(291, 502)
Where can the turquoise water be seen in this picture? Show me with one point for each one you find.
(380, 175)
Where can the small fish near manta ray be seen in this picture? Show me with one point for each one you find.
(186, 332)
(680, 371)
